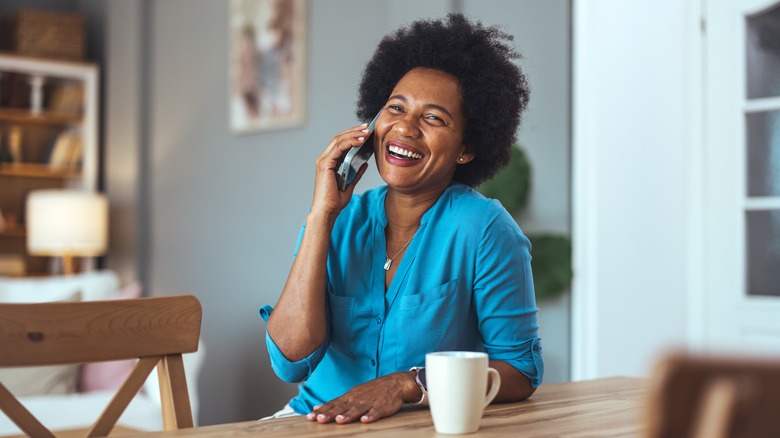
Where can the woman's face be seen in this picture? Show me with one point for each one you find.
(419, 135)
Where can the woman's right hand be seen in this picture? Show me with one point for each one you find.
(328, 199)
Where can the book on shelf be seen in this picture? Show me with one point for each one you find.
(66, 152)
(15, 144)
(76, 152)
(14, 90)
(67, 98)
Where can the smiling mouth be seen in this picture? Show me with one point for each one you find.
(403, 154)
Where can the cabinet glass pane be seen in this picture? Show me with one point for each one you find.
(763, 153)
(763, 54)
(763, 252)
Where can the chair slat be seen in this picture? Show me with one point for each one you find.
(177, 413)
(94, 331)
(123, 396)
(21, 417)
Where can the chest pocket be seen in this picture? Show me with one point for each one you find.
(429, 321)
(341, 309)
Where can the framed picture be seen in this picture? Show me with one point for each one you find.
(267, 64)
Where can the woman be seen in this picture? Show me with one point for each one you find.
(424, 263)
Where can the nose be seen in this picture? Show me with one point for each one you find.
(407, 127)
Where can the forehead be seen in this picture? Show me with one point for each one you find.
(429, 86)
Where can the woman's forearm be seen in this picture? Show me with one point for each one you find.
(298, 325)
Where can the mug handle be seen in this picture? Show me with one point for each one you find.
(495, 384)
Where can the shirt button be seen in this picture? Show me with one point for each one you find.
(373, 362)
(378, 320)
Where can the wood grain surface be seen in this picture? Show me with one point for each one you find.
(596, 408)
(67, 332)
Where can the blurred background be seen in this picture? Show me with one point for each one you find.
(615, 135)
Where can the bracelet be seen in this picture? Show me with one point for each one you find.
(419, 379)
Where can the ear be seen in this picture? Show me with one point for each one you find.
(465, 157)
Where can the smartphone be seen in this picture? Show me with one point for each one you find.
(356, 157)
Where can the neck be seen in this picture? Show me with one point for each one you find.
(404, 211)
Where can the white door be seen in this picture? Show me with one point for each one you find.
(741, 257)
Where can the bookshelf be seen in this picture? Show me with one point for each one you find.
(48, 139)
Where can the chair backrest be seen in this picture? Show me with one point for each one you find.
(154, 330)
(697, 396)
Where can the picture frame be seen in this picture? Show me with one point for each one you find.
(267, 65)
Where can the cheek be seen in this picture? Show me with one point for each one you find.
(380, 131)
(449, 146)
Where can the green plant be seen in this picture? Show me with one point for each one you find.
(512, 184)
(551, 253)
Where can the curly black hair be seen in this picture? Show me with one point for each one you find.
(495, 90)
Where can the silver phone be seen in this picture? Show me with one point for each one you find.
(356, 157)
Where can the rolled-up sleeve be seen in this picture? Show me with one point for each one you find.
(504, 298)
(289, 371)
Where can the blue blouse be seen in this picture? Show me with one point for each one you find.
(464, 284)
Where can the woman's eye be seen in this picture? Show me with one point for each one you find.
(435, 119)
(396, 108)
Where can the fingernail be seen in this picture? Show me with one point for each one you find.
(340, 417)
(364, 418)
(365, 130)
(322, 417)
(310, 415)
(361, 138)
(315, 408)
(364, 124)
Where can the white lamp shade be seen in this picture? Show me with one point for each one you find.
(69, 222)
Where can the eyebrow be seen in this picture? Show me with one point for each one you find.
(427, 105)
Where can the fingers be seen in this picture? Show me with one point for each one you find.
(346, 139)
(350, 415)
(371, 416)
(343, 412)
(329, 412)
(340, 412)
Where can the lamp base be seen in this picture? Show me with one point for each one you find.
(67, 264)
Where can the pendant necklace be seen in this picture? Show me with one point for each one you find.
(389, 260)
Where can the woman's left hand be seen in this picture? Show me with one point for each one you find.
(369, 401)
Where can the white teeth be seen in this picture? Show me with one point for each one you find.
(406, 153)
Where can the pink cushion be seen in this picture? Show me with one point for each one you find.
(109, 375)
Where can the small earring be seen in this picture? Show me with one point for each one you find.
(460, 160)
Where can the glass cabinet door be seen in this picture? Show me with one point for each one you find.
(762, 151)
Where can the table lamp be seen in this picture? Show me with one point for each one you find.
(67, 224)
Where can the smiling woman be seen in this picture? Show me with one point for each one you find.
(424, 263)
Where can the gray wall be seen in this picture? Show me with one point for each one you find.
(216, 215)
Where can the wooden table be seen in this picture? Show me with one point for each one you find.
(596, 408)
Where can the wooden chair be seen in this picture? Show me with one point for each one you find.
(696, 396)
(155, 330)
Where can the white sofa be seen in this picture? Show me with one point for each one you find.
(61, 397)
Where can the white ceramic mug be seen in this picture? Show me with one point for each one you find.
(457, 384)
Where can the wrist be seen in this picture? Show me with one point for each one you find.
(409, 391)
(321, 217)
(421, 392)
